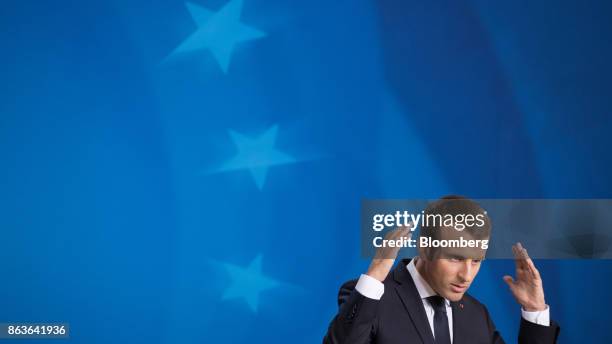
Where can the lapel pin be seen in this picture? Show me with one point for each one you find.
(461, 305)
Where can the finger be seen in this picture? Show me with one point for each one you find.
(521, 251)
(405, 228)
(393, 234)
(509, 281)
(404, 231)
(408, 227)
(530, 265)
(398, 233)
(390, 253)
(516, 250)
(517, 260)
(519, 256)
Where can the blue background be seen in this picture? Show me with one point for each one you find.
(152, 196)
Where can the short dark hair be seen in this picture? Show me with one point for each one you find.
(455, 205)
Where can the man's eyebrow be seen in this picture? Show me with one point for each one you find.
(455, 256)
(461, 256)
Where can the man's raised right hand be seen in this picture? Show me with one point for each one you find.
(385, 256)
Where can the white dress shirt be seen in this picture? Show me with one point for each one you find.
(372, 288)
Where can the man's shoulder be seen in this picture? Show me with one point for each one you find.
(470, 302)
(469, 299)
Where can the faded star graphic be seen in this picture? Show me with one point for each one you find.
(248, 283)
(218, 32)
(256, 155)
(586, 245)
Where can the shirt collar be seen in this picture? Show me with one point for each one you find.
(424, 289)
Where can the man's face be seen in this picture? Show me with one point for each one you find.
(451, 270)
(451, 277)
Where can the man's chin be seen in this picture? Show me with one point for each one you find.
(453, 297)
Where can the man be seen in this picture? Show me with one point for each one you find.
(424, 300)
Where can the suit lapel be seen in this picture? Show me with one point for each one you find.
(412, 301)
(460, 322)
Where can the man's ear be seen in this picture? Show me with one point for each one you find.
(424, 253)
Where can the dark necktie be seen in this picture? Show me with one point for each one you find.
(441, 331)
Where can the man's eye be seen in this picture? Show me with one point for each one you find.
(476, 261)
(455, 259)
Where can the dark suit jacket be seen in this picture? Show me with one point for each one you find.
(399, 317)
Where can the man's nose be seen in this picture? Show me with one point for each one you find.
(465, 272)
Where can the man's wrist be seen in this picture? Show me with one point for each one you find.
(379, 269)
(541, 317)
(536, 308)
(377, 275)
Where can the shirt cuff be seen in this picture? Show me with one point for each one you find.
(370, 287)
(537, 317)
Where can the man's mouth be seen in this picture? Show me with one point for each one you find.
(458, 288)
